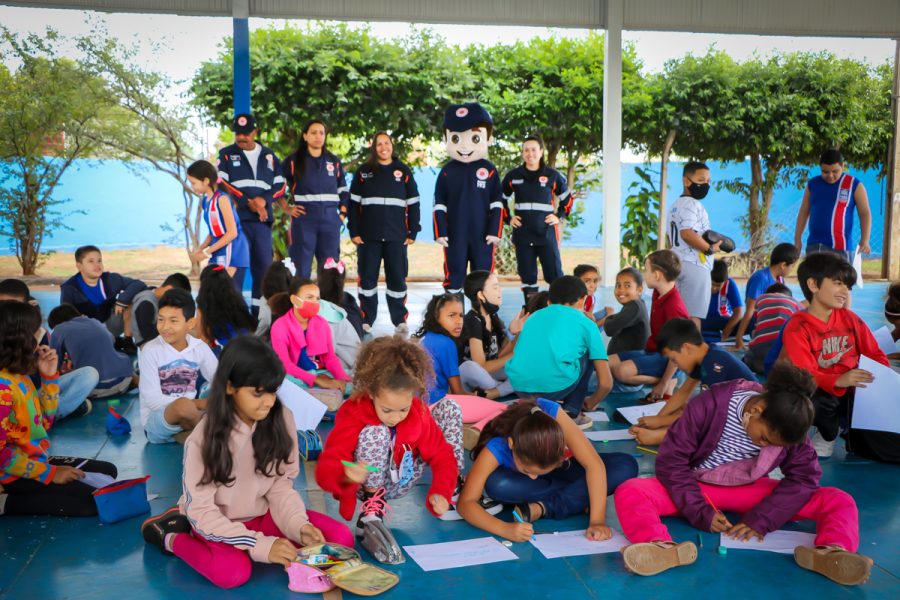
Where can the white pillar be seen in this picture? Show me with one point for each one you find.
(612, 141)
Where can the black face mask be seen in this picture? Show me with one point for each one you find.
(490, 308)
(698, 191)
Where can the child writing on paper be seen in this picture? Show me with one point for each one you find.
(719, 454)
(535, 457)
(239, 504)
(32, 482)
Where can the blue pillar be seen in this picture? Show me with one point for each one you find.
(241, 39)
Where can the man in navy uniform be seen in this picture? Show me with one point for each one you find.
(251, 173)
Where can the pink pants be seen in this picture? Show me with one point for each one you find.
(641, 502)
(229, 567)
(477, 411)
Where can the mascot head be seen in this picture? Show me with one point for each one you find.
(468, 131)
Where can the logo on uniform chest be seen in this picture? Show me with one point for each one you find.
(482, 174)
(329, 166)
(398, 175)
(844, 196)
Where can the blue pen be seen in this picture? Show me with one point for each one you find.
(520, 520)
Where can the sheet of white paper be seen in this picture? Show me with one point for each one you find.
(573, 543)
(877, 406)
(608, 435)
(885, 340)
(97, 480)
(598, 416)
(308, 411)
(464, 553)
(633, 413)
(728, 344)
(781, 541)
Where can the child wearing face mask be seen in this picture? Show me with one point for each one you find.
(718, 455)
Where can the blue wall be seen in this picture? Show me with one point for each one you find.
(123, 210)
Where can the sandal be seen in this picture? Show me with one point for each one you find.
(652, 558)
(840, 566)
(524, 510)
(651, 399)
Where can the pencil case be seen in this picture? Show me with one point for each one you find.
(116, 424)
(122, 500)
(323, 567)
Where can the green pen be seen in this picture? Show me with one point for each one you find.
(347, 463)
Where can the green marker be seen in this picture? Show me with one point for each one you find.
(347, 463)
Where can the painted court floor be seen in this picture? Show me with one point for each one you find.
(50, 558)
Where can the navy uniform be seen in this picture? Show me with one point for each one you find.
(533, 192)
(384, 212)
(317, 184)
(244, 181)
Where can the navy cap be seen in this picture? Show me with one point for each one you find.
(243, 123)
(462, 117)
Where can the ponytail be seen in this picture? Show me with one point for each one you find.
(789, 409)
(537, 438)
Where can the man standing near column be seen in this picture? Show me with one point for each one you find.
(251, 173)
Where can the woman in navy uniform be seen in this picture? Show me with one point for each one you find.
(542, 199)
(383, 220)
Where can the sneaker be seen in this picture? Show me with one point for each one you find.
(583, 421)
(652, 558)
(374, 508)
(82, 411)
(824, 449)
(155, 529)
(846, 568)
(401, 329)
(452, 514)
(491, 506)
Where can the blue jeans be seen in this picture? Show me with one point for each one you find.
(845, 254)
(563, 491)
(572, 398)
(74, 388)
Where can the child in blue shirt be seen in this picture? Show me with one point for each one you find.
(725, 305)
(781, 261)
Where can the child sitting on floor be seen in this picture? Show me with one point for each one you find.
(222, 313)
(276, 280)
(648, 366)
(557, 351)
(781, 261)
(146, 304)
(535, 457)
(717, 457)
(331, 278)
(591, 278)
(628, 329)
(170, 367)
(85, 342)
(239, 504)
(725, 305)
(32, 482)
(773, 310)
(705, 365)
(892, 314)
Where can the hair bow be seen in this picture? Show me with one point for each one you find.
(331, 264)
(219, 268)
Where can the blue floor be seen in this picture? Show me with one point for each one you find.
(49, 558)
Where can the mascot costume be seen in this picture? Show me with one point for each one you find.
(468, 200)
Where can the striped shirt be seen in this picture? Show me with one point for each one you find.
(772, 312)
(734, 444)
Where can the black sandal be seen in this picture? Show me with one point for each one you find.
(524, 510)
(479, 392)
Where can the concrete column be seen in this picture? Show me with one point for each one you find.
(241, 38)
(612, 141)
(890, 259)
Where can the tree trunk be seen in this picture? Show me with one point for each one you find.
(550, 155)
(663, 189)
(756, 184)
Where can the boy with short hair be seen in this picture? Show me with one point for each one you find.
(591, 278)
(628, 329)
(773, 309)
(827, 340)
(554, 352)
(100, 294)
(680, 342)
(85, 342)
(170, 367)
(781, 261)
(725, 305)
(648, 366)
(146, 304)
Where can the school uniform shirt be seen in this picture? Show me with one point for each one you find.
(97, 301)
(237, 252)
(719, 366)
(831, 208)
(533, 193)
(828, 350)
(217, 512)
(418, 431)
(759, 282)
(317, 179)
(168, 374)
(499, 446)
(468, 201)
(689, 213)
(662, 310)
(550, 348)
(88, 343)
(475, 326)
(26, 416)
(250, 174)
(628, 329)
(384, 203)
(445, 360)
(721, 309)
(772, 312)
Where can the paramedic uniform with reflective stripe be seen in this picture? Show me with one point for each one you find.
(384, 212)
(831, 209)
(235, 254)
(245, 178)
(468, 207)
(534, 240)
(317, 184)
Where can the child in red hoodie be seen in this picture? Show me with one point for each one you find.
(827, 340)
(385, 435)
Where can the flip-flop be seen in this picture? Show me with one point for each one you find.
(840, 566)
(651, 399)
(652, 558)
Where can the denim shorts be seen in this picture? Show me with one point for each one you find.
(158, 430)
(650, 364)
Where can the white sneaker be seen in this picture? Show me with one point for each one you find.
(583, 421)
(401, 329)
(823, 448)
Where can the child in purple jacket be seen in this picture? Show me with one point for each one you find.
(718, 455)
